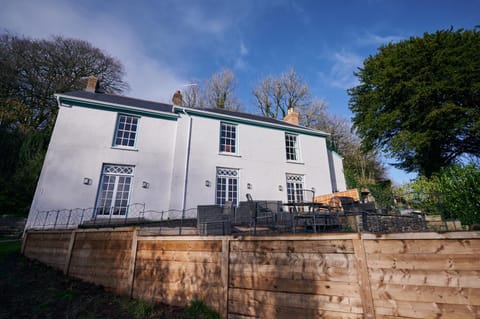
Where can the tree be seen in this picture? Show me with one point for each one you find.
(220, 91)
(32, 71)
(454, 192)
(419, 100)
(275, 95)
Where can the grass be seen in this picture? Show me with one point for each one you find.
(10, 247)
(29, 289)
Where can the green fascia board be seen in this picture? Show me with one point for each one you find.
(118, 108)
(238, 120)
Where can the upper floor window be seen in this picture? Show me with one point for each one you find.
(228, 138)
(291, 147)
(126, 130)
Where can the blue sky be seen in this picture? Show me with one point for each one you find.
(165, 45)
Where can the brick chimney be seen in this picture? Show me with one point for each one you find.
(92, 84)
(177, 98)
(291, 117)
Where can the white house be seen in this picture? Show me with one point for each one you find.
(108, 152)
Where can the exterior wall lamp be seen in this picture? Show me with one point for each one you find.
(207, 183)
(145, 185)
(249, 186)
(280, 188)
(87, 181)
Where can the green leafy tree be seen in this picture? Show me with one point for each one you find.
(419, 100)
(454, 192)
(32, 71)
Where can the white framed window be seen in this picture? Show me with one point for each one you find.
(295, 188)
(291, 147)
(228, 138)
(126, 131)
(114, 190)
(227, 186)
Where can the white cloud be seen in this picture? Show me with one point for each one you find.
(340, 75)
(375, 39)
(148, 78)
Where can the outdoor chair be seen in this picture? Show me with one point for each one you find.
(211, 220)
(259, 214)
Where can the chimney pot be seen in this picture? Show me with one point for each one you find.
(177, 98)
(92, 84)
(291, 117)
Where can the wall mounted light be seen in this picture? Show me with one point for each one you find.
(249, 186)
(207, 183)
(280, 188)
(87, 181)
(145, 184)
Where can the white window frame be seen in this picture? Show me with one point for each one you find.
(227, 185)
(124, 131)
(295, 187)
(292, 147)
(225, 142)
(113, 199)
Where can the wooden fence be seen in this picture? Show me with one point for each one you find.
(410, 275)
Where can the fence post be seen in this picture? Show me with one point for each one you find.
(225, 275)
(131, 266)
(363, 278)
(56, 219)
(68, 258)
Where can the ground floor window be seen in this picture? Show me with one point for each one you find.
(294, 188)
(114, 190)
(227, 186)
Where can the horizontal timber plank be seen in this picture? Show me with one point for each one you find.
(186, 256)
(425, 310)
(460, 296)
(293, 246)
(176, 295)
(174, 270)
(167, 231)
(286, 271)
(101, 253)
(239, 310)
(424, 235)
(104, 235)
(176, 245)
(445, 246)
(99, 244)
(267, 283)
(438, 278)
(303, 260)
(255, 298)
(46, 250)
(48, 242)
(425, 262)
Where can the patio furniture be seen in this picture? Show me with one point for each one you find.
(211, 220)
(260, 214)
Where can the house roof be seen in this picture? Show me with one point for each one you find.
(139, 104)
(120, 100)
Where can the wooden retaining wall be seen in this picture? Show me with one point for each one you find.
(411, 275)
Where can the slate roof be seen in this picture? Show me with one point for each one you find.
(121, 100)
(163, 107)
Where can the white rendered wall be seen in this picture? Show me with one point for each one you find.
(261, 160)
(82, 142)
(339, 174)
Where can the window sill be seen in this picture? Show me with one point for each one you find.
(295, 162)
(229, 154)
(125, 148)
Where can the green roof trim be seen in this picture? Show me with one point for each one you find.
(239, 120)
(117, 108)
